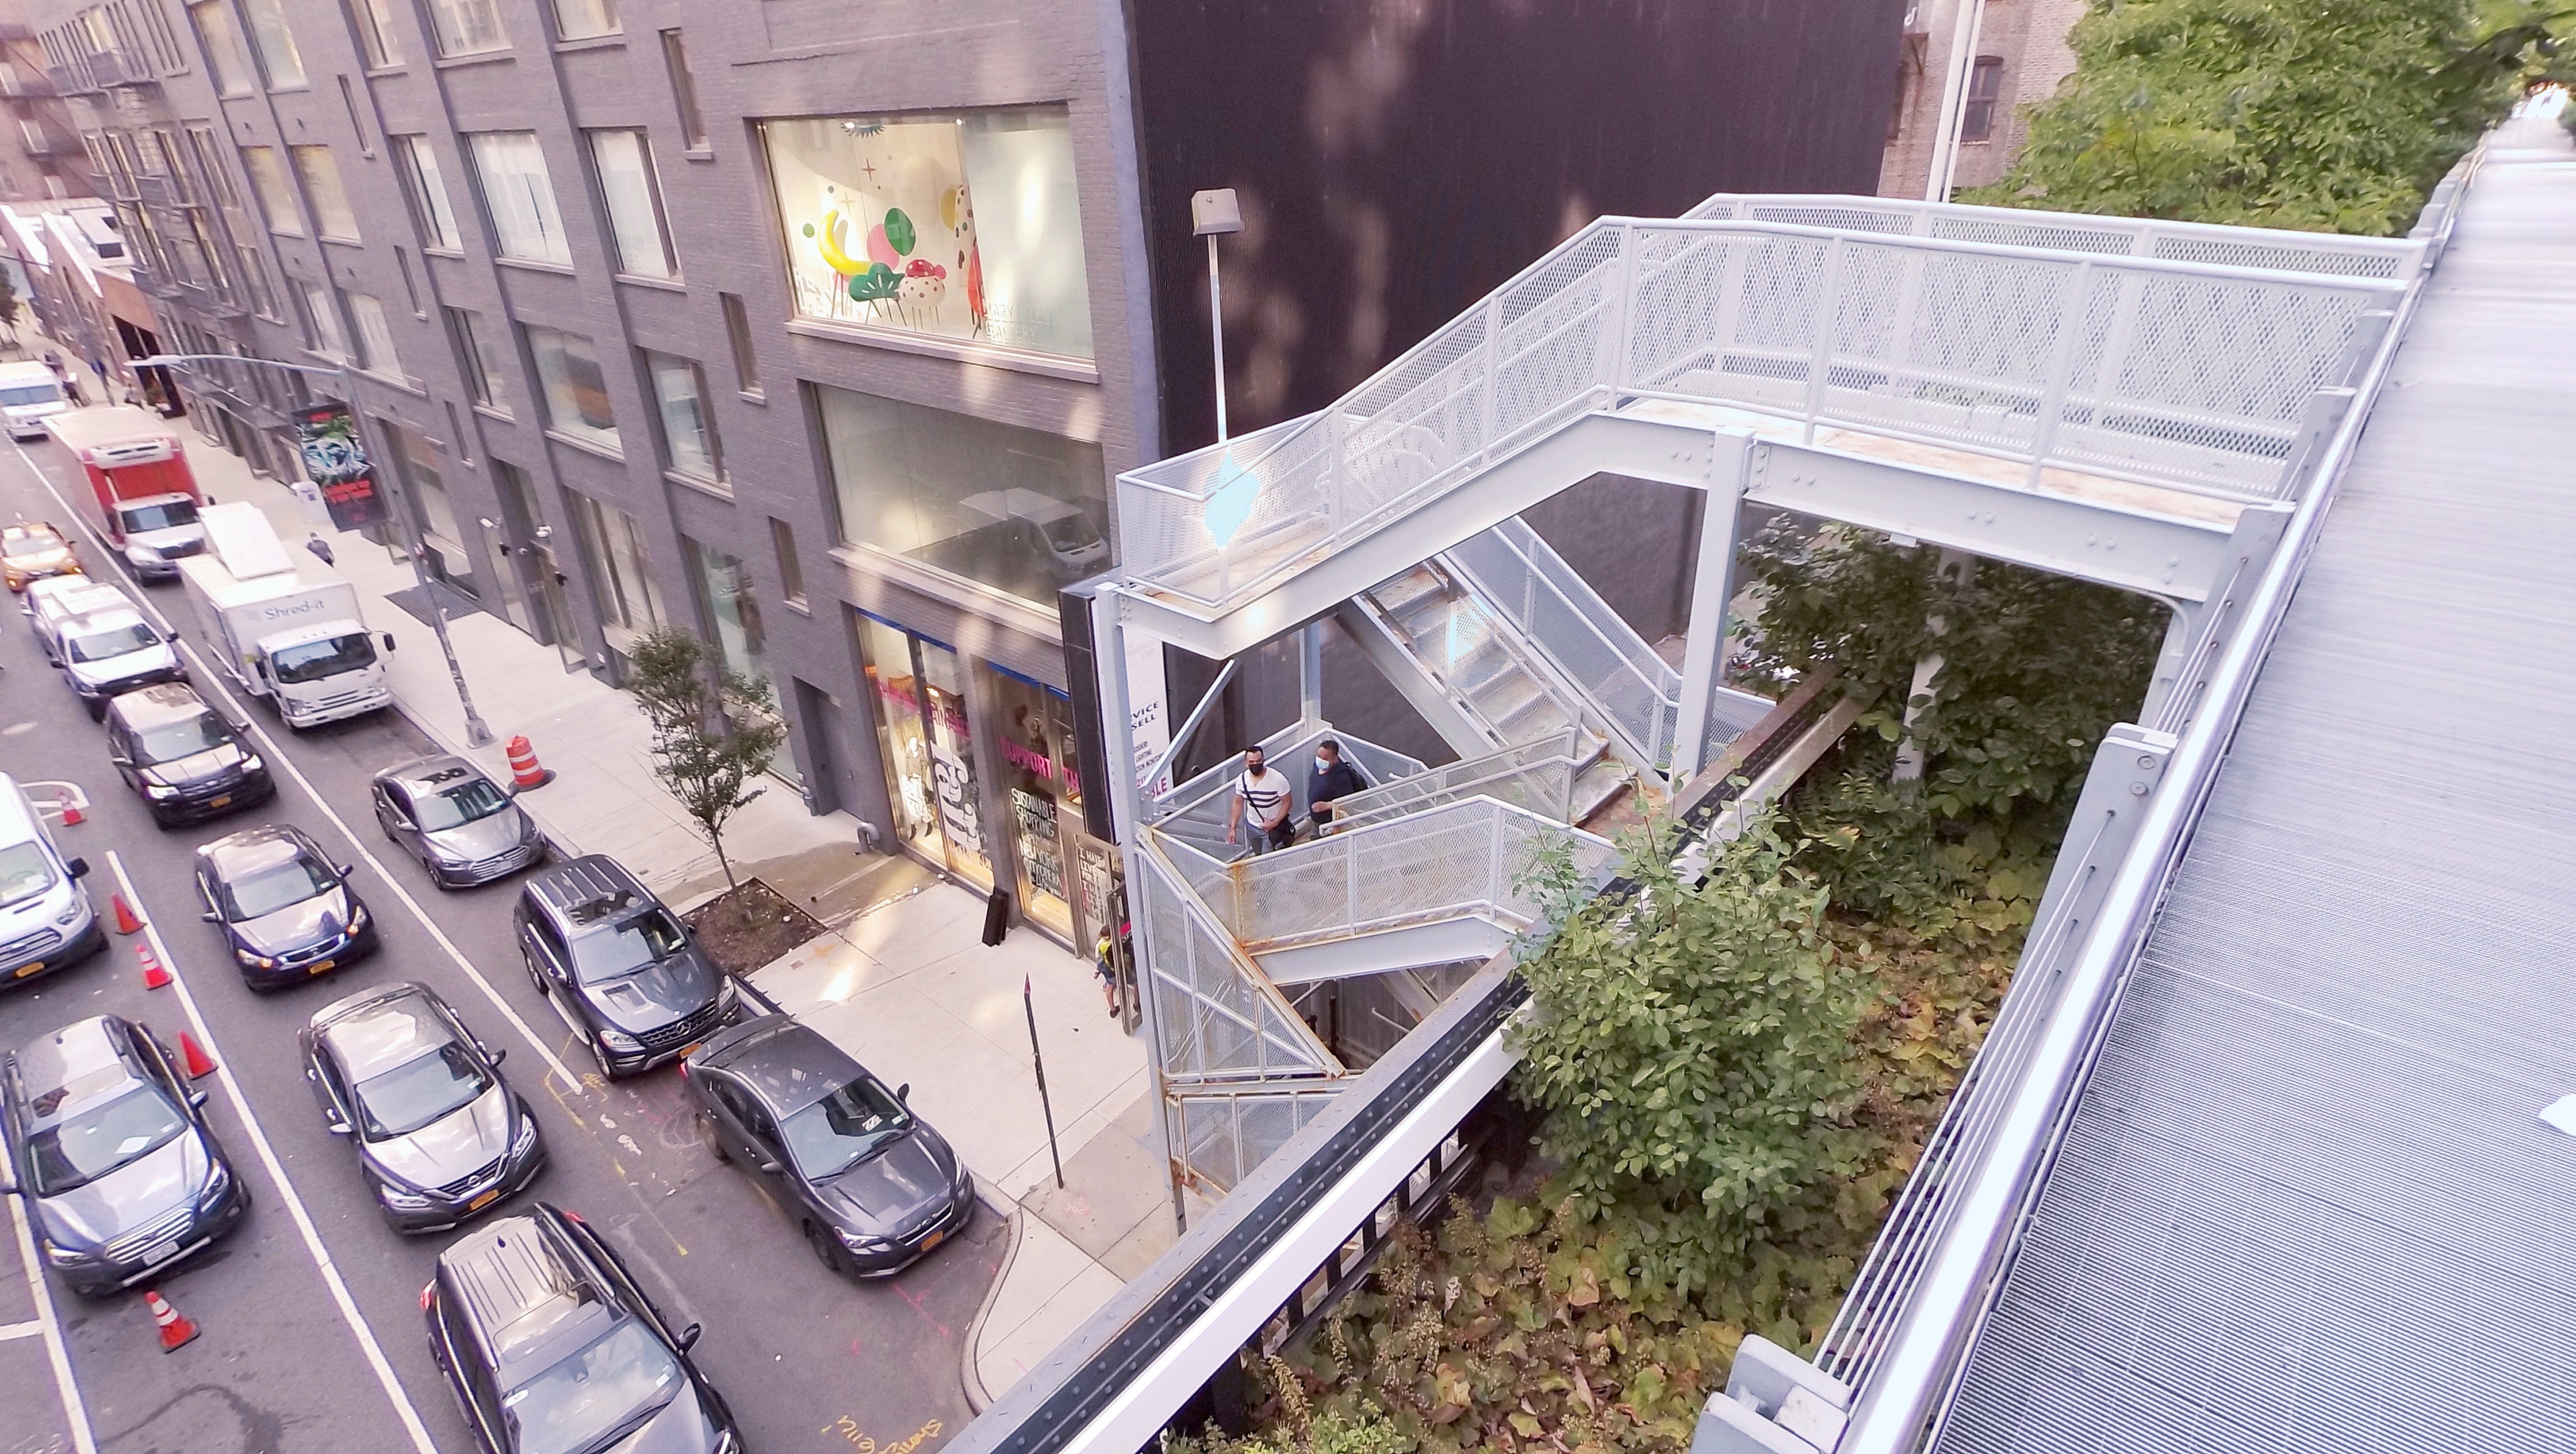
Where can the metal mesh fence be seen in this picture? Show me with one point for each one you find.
(1215, 1016)
(1557, 611)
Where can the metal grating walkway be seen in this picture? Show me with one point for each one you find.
(2306, 1201)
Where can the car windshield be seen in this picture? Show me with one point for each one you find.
(185, 738)
(25, 872)
(109, 642)
(167, 515)
(80, 1149)
(419, 1091)
(844, 1128)
(315, 660)
(18, 394)
(580, 1400)
(1071, 532)
(456, 805)
(607, 953)
(30, 544)
(266, 890)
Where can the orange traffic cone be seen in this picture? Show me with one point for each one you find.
(176, 1331)
(154, 976)
(126, 923)
(200, 1065)
(73, 817)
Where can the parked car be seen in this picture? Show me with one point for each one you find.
(618, 967)
(111, 1150)
(48, 603)
(871, 1185)
(551, 1348)
(47, 921)
(185, 760)
(440, 1136)
(31, 550)
(110, 649)
(461, 825)
(286, 909)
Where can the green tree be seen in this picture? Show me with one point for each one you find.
(9, 308)
(1692, 1041)
(714, 729)
(2333, 115)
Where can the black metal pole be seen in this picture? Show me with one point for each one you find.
(1028, 1002)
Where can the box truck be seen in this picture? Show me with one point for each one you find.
(147, 497)
(286, 633)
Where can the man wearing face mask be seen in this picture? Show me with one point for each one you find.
(1328, 780)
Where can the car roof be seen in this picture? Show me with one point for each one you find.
(585, 894)
(253, 849)
(17, 816)
(390, 1029)
(72, 595)
(788, 1065)
(158, 704)
(72, 1068)
(119, 613)
(418, 772)
(26, 529)
(523, 1291)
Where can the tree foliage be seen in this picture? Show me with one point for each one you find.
(714, 729)
(2330, 115)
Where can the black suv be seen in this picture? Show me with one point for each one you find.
(185, 760)
(550, 1346)
(618, 966)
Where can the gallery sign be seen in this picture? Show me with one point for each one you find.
(336, 457)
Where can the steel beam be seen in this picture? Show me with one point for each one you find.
(1712, 588)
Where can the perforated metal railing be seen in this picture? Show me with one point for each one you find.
(1217, 1016)
(1600, 655)
(2188, 375)
(1195, 809)
(1537, 775)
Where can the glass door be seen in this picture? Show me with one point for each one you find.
(895, 681)
(952, 762)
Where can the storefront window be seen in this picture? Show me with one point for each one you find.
(1033, 725)
(431, 510)
(621, 570)
(1016, 509)
(900, 740)
(962, 226)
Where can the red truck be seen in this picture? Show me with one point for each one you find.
(147, 498)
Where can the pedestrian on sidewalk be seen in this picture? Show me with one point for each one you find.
(1105, 965)
(106, 385)
(1265, 795)
(320, 547)
(1331, 778)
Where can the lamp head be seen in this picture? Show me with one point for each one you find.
(1215, 213)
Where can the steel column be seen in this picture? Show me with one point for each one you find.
(1704, 647)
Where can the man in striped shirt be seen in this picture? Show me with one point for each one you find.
(1264, 795)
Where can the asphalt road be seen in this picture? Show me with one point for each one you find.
(312, 1335)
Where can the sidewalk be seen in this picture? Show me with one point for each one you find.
(902, 981)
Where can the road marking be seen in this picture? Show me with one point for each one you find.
(12, 1332)
(207, 677)
(349, 1313)
(75, 1412)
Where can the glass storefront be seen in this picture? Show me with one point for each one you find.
(960, 226)
(1033, 724)
(928, 748)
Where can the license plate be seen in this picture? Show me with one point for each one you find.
(485, 1200)
(225, 801)
(690, 1049)
(24, 970)
(318, 968)
(933, 1240)
(161, 1253)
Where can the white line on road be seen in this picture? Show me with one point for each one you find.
(12, 1332)
(75, 1412)
(367, 1344)
(207, 677)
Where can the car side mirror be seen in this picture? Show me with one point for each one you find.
(197, 1099)
(76, 867)
(347, 869)
(689, 1337)
(497, 1056)
(389, 643)
(210, 916)
(770, 1168)
(8, 1183)
(335, 1125)
(903, 1092)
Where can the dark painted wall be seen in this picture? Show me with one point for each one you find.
(1397, 159)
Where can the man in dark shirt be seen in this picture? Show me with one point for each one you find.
(1329, 779)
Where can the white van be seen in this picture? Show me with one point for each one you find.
(46, 919)
(29, 395)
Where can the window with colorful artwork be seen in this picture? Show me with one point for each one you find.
(962, 226)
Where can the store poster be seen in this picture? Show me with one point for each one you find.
(336, 458)
(954, 782)
(1148, 709)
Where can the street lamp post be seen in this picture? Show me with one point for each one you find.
(1213, 215)
(477, 734)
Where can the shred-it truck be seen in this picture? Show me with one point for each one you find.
(286, 632)
(147, 498)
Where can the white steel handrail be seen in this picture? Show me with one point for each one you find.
(1639, 692)
(1535, 775)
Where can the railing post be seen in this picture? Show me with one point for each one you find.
(1492, 366)
(1617, 324)
(1820, 364)
(2061, 363)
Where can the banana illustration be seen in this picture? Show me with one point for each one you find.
(839, 261)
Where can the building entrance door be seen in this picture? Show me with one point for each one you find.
(560, 622)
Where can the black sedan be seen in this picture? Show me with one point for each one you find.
(870, 1185)
(440, 1137)
(285, 908)
(460, 824)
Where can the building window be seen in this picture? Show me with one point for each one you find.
(357, 128)
(254, 273)
(791, 572)
(626, 184)
(275, 44)
(332, 213)
(519, 196)
(428, 190)
(726, 597)
(574, 389)
(375, 336)
(963, 226)
(684, 90)
(416, 460)
(1985, 83)
(688, 435)
(204, 148)
(1011, 508)
(746, 364)
(467, 27)
(621, 570)
(222, 42)
(483, 373)
(276, 193)
(323, 314)
(583, 19)
(376, 32)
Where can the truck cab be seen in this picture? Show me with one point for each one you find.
(324, 671)
(138, 472)
(286, 631)
(29, 395)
